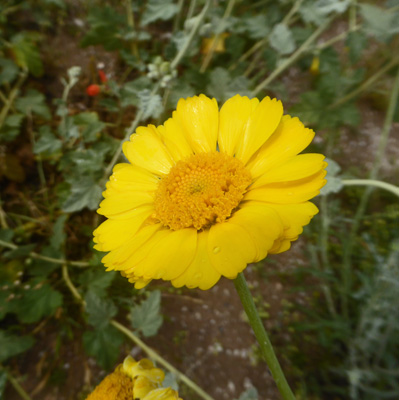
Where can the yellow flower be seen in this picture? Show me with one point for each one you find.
(134, 380)
(209, 192)
(218, 42)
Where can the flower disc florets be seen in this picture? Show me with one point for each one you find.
(200, 191)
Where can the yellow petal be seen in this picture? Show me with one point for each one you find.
(230, 248)
(262, 223)
(234, 116)
(280, 246)
(199, 118)
(289, 139)
(261, 125)
(173, 136)
(113, 233)
(124, 202)
(120, 258)
(146, 150)
(298, 167)
(289, 192)
(295, 217)
(170, 257)
(200, 273)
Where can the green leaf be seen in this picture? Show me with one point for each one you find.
(58, 237)
(21, 251)
(26, 53)
(99, 311)
(257, 26)
(90, 125)
(8, 71)
(33, 102)
(380, 23)
(282, 40)
(104, 345)
(130, 90)
(47, 143)
(38, 303)
(6, 235)
(11, 345)
(159, 10)
(97, 281)
(316, 11)
(146, 317)
(249, 394)
(222, 86)
(356, 43)
(151, 104)
(334, 183)
(84, 193)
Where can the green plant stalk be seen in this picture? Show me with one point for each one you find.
(209, 55)
(153, 355)
(190, 38)
(347, 255)
(365, 85)
(18, 387)
(290, 60)
(372, 183)
(336, 39)
(11, 98)
(191, 9)
(176, 22)
(45, 258)
(150, 352)
(130, 22)
(262, 337)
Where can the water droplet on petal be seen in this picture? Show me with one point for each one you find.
(216, 250)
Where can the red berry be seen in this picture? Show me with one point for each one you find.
(103, 77)
(93, 90)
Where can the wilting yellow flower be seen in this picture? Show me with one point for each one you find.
(209, 192)
(315, 66)
(218, 42)
(134, 380)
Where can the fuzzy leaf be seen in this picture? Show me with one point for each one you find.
(58, 237)
(26, 53)
(97, 281)
(159, 9)
(90, 125)
(150, 104)
(146, 317)
(99, 311)
(84, 193)
(8, 71)
(104, 345)
(47, 143)
(33, 102)
(282, 40)
(334, 183)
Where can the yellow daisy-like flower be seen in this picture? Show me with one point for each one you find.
(134, 380)
(208, 192)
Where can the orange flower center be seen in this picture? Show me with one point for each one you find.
(201, 191)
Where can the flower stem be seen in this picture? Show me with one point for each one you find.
(262, 337)
(372, 182)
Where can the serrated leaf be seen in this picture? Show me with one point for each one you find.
(38, 303)
(99, 310)
(356, 43)
(11, 345)
(380, 23)
(130, 90)
(33, 102)
(8, 71)
(170, 381)
(97, 281)
(282, 40)
(334, 185)
(146, 317)
(21, 251)
(57, 239)
(26, 53)
(104, 345)
(150, 104)
(90, 125)
(84, 193)
(159, 10)
(47, 143)
(257, 26)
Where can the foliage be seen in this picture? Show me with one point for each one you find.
(57, 145)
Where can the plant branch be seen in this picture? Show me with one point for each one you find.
(372, 183)
(45, 258)
(14, 382)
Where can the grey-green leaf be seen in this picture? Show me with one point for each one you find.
(146, 317)
(99, 310)
(282, 40)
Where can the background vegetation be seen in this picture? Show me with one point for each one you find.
(333, 63)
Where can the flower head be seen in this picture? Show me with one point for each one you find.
(208, 192)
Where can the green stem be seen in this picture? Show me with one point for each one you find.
(348, 248)
(45, 258)
(153, 355)
(209, 55)
(130, 22)
(262, 337)
(374, 183)
(290, 60)
(18, 387)
(176, 22)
